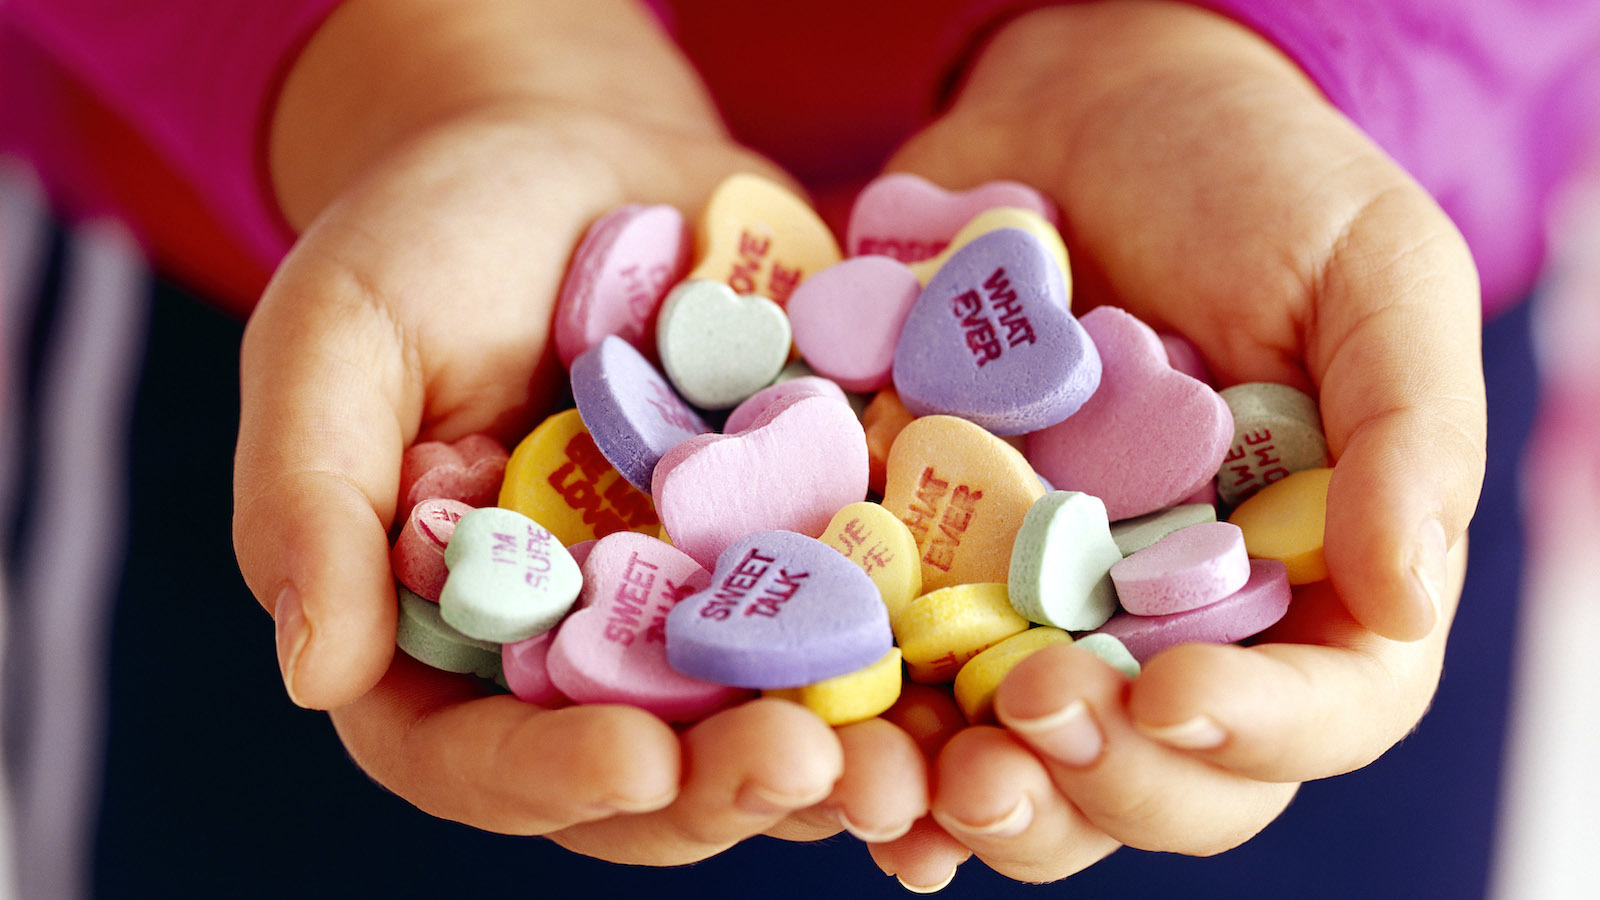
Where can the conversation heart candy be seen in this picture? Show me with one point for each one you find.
(1148, 438)
(978, 680)
(745, 414)
(882, 420)
(424, 635)
(847, 319)
(1111, 651)
(469, 470)
(417, 557)
(910, 218)
(851, 697)
(612, 648)
(759, 238)
(1187, 569)
(994, 220)
(791, 470)
(1248, 611)
(1285, 520)
(1276, 431)
(1061, 563)
(526, 672)
(872, 538)
(991, 340)
(510, 579)
(1183, 356)
(939, 631)
(629, 409)
(963, 493)
(618, 276)
(719, 347)
(783, 610)
(560, 479)
(1139, 532)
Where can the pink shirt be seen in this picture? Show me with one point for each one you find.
(1487, 102)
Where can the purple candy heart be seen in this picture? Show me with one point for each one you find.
(630, 409)
(1250, 610)
(783, 610)
(992, 339)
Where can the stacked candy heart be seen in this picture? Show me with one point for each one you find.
(1038, 475)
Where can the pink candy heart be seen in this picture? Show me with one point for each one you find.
(847, 319)
(469, 470)
(803, 459)
(1147, 438)
(612, 649)
(618, 277)
(910, 218)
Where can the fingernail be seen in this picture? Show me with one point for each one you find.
(928, 888)
(1428, 564)
(1068, 735)
(1009, 825)
(760, 800)
(632, 806)
(872, 836)
(1199, 733)
(292, 633)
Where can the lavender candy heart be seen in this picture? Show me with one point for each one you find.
(783, 610)
(630, 409)
(992, 339)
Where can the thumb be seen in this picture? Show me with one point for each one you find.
(324, 381)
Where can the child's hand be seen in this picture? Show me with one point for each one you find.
(442, 161)
(1207, 187)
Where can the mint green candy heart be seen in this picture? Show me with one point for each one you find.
(510, 579)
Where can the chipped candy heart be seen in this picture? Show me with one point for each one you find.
(719, 347)
(1188, 569)
(783, 610)
(1061, 563)
(469, 470)
(963, 493)
(629, 409)
(911, 219)
(612, 648)
(1148, 438)
(991, 340)
(759, 238)
(510, 579)
(792, 469)
(848, 317)
(618, 276)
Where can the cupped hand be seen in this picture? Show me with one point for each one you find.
(1206, 186)
(442, 162)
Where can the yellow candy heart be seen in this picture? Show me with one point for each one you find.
(939, 631)
(978, 680)
(993, 220)
(852, 697)
(558, 478)
(963, 493)
(872, 538)
(758, 238)
(1284, 521)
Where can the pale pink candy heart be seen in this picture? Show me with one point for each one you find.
(745, 414)
(469, 470)
(802, 460)
(527, 673)
(619, 274)
(1189, 568)
(612, 649)
(847, 319)
(909, 218)
(1185, 357)
(1149, 436)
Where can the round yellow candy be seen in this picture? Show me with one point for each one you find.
(939, 631)
(981, 676)
(853, 696)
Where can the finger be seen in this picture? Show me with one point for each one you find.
(744, 770)
(925, 860)
(503, 765)
(1067, 706)
(1329, 699)
(996, 797)
(324, 386)
(883, 791)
